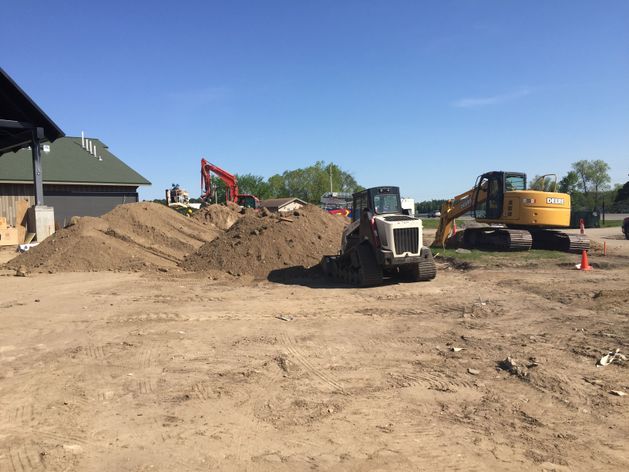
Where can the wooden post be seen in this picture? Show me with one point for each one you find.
(21, 207)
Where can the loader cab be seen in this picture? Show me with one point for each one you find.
(248, 201)
(495, 185)
(377, 200)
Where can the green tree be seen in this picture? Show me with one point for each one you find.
(311, 182)
(428, 206)
(276, 186)
(599, 176)
(570, 182)
(219, 190)
(546, 184)
(582, 170)
(592, 176)
(623, 194)
(253, 185)
(308, 183)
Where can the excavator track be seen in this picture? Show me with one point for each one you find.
(559, 241)
(498, 239)
(507, 239)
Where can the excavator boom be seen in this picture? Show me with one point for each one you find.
(455, 208)
(230, 180)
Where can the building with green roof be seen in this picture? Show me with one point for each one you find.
(81, 177)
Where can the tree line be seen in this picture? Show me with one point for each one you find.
(308, 183)
(589, 185)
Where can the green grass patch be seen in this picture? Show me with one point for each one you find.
(611, 223)
(433, 223)
(496, 256)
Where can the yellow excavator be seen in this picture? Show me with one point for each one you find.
(518, 218)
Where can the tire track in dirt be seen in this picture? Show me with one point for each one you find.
(201, 391)
(20, 414)
(144, 387)
(94, 352)
(431, 380)
(58, 438)
(144, 317)
(368, 344)
(105, 395)
(23, 458)
(290, 346)
(145, 358)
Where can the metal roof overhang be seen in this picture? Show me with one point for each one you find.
(20, 118)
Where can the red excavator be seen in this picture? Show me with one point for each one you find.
(231, 182)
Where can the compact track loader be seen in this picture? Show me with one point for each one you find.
(382, 240)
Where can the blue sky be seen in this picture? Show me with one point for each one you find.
(424, 95)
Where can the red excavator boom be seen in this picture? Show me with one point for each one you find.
(231, 182)
(206, 181)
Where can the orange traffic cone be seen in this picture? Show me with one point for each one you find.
(585, 265)
(453, 227)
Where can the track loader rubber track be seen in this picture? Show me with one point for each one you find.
(422, 271)
(369, 271)
(427, 269)
(358, 267)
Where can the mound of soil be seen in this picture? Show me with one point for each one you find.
(221, 216)
(133, 236)
(259, 243)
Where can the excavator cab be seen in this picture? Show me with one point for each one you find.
(490, 192)
(248, 201)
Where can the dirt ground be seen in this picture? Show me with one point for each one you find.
(169, 371)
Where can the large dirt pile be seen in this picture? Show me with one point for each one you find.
(130, 237)
(220, 216)
(259, 243)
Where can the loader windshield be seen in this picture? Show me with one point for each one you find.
(387, 203)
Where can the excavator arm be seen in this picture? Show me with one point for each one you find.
(456, 207)
(206, 181)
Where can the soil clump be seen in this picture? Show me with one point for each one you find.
(221, 216)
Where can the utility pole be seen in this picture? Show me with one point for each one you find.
(330, 166)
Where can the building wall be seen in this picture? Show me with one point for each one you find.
(67, 200)
(9, 196)
(292, 206)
